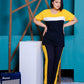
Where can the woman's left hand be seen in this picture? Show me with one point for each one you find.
(63, 30)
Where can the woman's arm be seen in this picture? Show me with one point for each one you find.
(40, 24)
(70, 23)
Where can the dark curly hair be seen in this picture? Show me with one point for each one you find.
(60, 7)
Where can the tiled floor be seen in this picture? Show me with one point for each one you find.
(68, 83)
(71, 83)
(66, 80)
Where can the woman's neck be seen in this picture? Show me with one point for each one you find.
(54, 11)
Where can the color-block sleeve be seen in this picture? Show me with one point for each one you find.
(40, 16)
(68, 15)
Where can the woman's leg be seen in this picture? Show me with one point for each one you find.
(58, 53)
(49, 62)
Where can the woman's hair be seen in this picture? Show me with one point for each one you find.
(60, 7)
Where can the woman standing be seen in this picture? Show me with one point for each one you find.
(53, 37)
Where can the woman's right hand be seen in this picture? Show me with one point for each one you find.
(45, 30)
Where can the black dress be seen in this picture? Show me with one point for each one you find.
(54, 34)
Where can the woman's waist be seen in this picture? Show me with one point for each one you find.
(54, 32)
(55, 29)
(54, 35)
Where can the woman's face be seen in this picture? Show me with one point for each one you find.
(56, 4)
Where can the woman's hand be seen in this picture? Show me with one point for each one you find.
(63, 30)
(40, 24)
(70, 23)
(45, 30)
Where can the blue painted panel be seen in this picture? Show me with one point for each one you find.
(3, 52)
(67, 61)
(79, 42)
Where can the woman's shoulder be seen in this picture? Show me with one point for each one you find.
(65, 10)
(47, 11)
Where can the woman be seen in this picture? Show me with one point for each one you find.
(53, 37)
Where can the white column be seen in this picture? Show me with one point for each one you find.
(31, 62)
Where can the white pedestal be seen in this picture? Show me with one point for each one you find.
(31, 62)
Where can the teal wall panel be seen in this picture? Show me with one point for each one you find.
(67, 61)
(69, 5)
(3, 52)
(79, 42)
